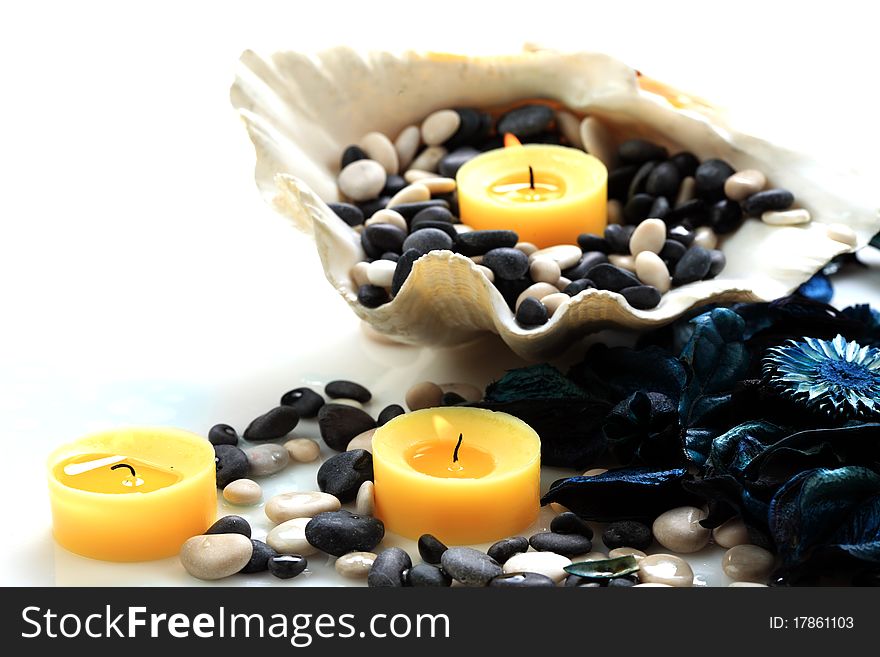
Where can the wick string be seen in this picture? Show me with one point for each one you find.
(455, 452)
(124, 465)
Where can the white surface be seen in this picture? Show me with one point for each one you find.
(143, 280)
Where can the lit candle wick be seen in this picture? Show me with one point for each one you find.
(531, 178)
(455, 451)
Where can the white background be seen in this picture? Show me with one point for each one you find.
(144, 281)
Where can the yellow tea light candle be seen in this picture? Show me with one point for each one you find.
(547, 194)
(132, 494)
(466, 475)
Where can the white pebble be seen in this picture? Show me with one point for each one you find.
(680, 530)
(614, 211)
(359, 273)
(381, 273)
(565, 255)
(303, 450)
(362, 441)
(355, 565)
(462, 228)
(477, 259)
(378, 147)
(652, 585)
(429, 158)
(544, 270)
(243, 492)
(627, 552)
(417, 175)
(589, 556)
(267, 459)
(562, 282)
(748, 563)
(488, 273)
(363, 505)
(842, 233)
(546, 563)
(597, 141)
(570, 127)
(745, 585)
(346, 400)
(414, 193)
(290, 537)
(536, 291)
(743, 184)
(623, 261)
(651, 270)
(553, 302)
(686, 191)
(426, 394)
(557, 507)
(649, 235)
(305, 504)
(731, 533)
(705, 237)
(440, 126)
(786, 217)
(438, 185)
(387, 216)
(595, 472)
(362, 180)
(407, 145)
(215, 556)
(526, 247)
(665, 569)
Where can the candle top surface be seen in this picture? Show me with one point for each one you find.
(114, 474)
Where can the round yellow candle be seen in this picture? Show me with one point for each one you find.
(132, 494)
(565, 195)
(487, 490)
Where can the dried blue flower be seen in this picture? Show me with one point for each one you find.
(838, 377)
(818, 288)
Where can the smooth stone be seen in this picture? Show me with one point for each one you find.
(504, 549)
(659, 209)
(731, 533)
(743, 184)
(433, 214)
(222, 434)
(672, 252)
(719, 261)
(745, 584)
(362, 180)
(440, 126)
(260, 556)
(545, 563)
(431, 548)
(393, 257)
(597, 141)
(565, 544)
(521, 580)
(651, 270)
(413, 193)
(618, 238)
(350, 214)
(364, 504)
(267, 459)
(637, 209)
(388, 568)
(614, 212)
(426, 394)
(686, 162)
(384, 237)
(428, 159)
(351, 154)
(686, 191)
(536, 291)
(348, 402)
(564, 255)
(570, 523)
(570, 127)
(474, 127)
(287, 566)
(243, 492)
(626, 552)
(842, 233)
(230, 524)
(450, 163)
(403, 269)
(388, 413)
(710, 177)
(342, 474)
(467, 391)
(578, 286)
(650, 235)
(439, 185)
(348, 389)
(526, 247)
(595, 472)
(557, 508)
(553, 302)
(231, 463)
(693, 266)
(507, 263)
(627, 533)
(653, 585)
(426, 575)
(589, 242)
(305, 401)
(767, 200)
(469, 566)
(682, 235)
(725, 217)
(608, 277)
(637, 188)
(623, 261)
(287, 506)
(705, 237)
(393, 184)
(664, 180)
(526, 121)
(642, 297)
(215, 556)
(379, 148)
(531, 313)
(619, 180)
(748, 563)
(637, 151)
(372, 296)
(340, 423)
(786, 217)
(303, 450)
(407, 145)
(588, 556)
(426, 240)
(680, 530)
(273, 424)
(362, 441)
(575, 581)
(451, 399)
(585, 264)
(480, 242)
(339, 532)
(389, 217)
(665, 569)
(355, 565)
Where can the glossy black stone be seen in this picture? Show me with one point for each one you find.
(636, 151)
(693, 266)
(305, 401)
(470, 128)
(672, 251)
(231, 464)
(618, 238)
(570, 523)
(770, 199)
(686, 163)
(393, 257)
(372, 296)
(389, 567)
(451, 162)
(642, 297)
(452, 399)
(660, 208)
(373, 252)
(637, 209)
(578, 582)
(578, 286)
(350, 214)
(718, 263)
(371, 207)
(342, 474)
(403, 269)
(507, 263)
(531, 313)
(589, 242)
(526, 121)
(389, 413)
(682, 235)
(608, 277)
(339, 423)
(287, 566)
(385, 237)
(230, 525)
(259, 558)
(521, 580)
(479, 242)
(710, 177)
(426, 240)
(409, 210)
(502, 550)
(565, 544)
(273, 424)
(393, 184)
(426, 575)
(627, 533)
(469, 566)
(640, 180)
(619, 180)
(584, 265)
(352, 154)
(623, 582)
(340, 532)
(433, 213)
(511, 289)
(664, 180)
(694, 212)
(725, 216)
(222, 434)
(340, 388)
(431, 548)
(445, 226)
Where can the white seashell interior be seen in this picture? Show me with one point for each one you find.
(302, 110)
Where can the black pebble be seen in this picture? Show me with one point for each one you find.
(372, 296)
(352, 154)
(259, 558)
(511, 289)
(627, 533)
(287, 566)
(571, 523)
(450, 163)
(710, 177)
(388, 568)
(608, 277)
(347, 390)
(276, 423)
(341, 532)
(636, 151)
(434, 214)
(576, 581)
(339, 423)
(470, 128)
(672, 251)
(543, 138)
(231, 462)
(531, 313)
(624, 581)
(507, 263)
(431, 548)
(770, 199)
(578, 286)
(686, 163)
(342, 474)
(479, 242)
(618, 238)
(393, 184)
(230, 525)
(305, 401)
(565, 544)
(725, 216)
(389, 413)
(424, 574)
(428, 239)
(641, 297)
(371, 207)
(222, 434)
(585, 264)
(619, 180)
(694, 212)
(385, 237)
(403, 269)
(445, 226)
(637, 185)
(452, 399)
(507, 547)
(660, 208)
(521, 580)
(350, 214)
(589, 242)
(393, 257)
(637, 209)
(373, 252)
(683, 235)
(526, 121)
(693, 266)
(718, 263)
(409, 210)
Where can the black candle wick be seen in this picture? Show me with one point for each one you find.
(531, 178)
(124, 465)
(455, 452)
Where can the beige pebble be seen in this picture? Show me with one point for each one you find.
(477, 259)
(488, 273)
(381, 273)
(614, 211)
(267, 459)
(355, 565)
(362, 441)
(303, 450)
(842, 233)
(362, 180)
(363, 504)
(686, 191)
(415, 193)
(680, 530)
(536, 291)
(623, 261)
(626, 552)
(426, 394)
(705, 237)
(358, 229)
(589, 556)
(429, 158)
(595, 472)
(665, 569)
(545, 270)
(346, 400)
(306, 504)
(462, 228)
(388, 216)
(651, 270)
(570, 127)
(243, 492)
(597, 141)
(290, 537)
(649, 235)
(731, 533)
(407, 145)
(553, 302)
(439, 126)
(558, 508)
(743, 184)
(562, 282)
(215, 556)
(546, 563)
(438, 185)
(786, 217)
(748, 563)
(565, 255)
(359, 273)
(526, 247)
(417, 175)
(467, 391)
(378, 147)
(652, 585)
(745, 585)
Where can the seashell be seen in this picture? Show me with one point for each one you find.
(299, 111)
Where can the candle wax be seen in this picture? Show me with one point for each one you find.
(106, 473)
(436, 459)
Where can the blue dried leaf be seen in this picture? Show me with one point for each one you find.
(818, 288)
(604, 568)
(644, 428)
(536, 382)
(697, 443)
